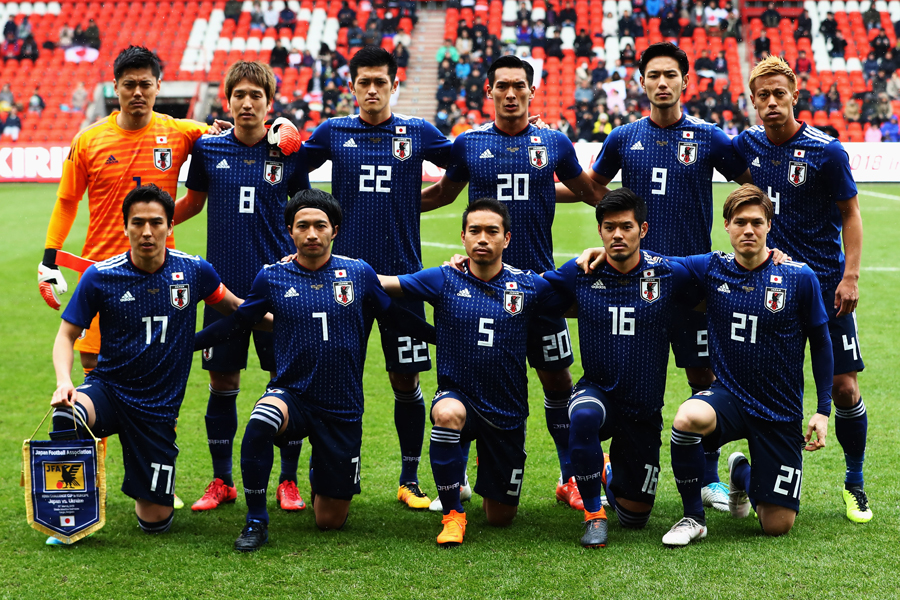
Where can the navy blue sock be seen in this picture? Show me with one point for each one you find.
(851, 428)
(64, 422)
(632, 520)
(687, 468)
(257, 457)
(587, 453)
(221, 427)
(290, 458)
(741, 475)
(711, 470)
(447, 466)
(409, 419)
(556, 409)
(156, 526)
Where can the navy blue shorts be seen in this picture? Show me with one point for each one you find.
(501, 453)
(148, 447)
(634, 449)
(689, 338)
(334, 462)
(231, 355)
(549, 344)
(844, 338)
(776, 447)
(402, 353)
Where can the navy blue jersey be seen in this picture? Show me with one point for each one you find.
(147, 323)
(671, 168)
(518, 170)
(624, 324)
(482, 329)
(758, 324)
(377, 178)
(803, 177)
(247, 187)
(322, 319)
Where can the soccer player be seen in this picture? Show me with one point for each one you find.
(760, 316)
(807, 175)
(514, 162)
(248, 181)
(322, 305)
(482, 316)
(668, 160)
(377, 165)
(148, 297)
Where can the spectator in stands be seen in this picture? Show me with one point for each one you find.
(610, 26)
(833, 100)
(653, 8)
(65, 37)
(567, 16)
(770, 17)
(584, 92)
(257, 17)
(881, 44)
(346, 15)
(491, 53)
(479, 26)
(628, 55)
(852, 112)
(11, 48)
(523, 33)
(720, 65)
(306, 59)
(446, 95)
(629, 26)
(448, 51)
(36, 103)
(390, 23)
(618, 71)
(730, 128)
(271, 15)
(870, 66)
(29, 48)
(464, 43)
(79, 98)
(447, 72)
(92, 35)
(892, 89)
(883, 109)
(704, 67)
(7, 99)
(804, 65)
(599, 74)
(890, 131)
(407, 10)
(879, 82)
(584, 125)
(601, 128)
(828, 27)
(873, 133)
(818, 101)
(78, 38)
(615, 94)
(887, 63)
(565, 128)
(461, 126)
(538, 34)
(804, 96)
(668, 27)
(838, 45)
(804, 26)
(582, 71)
(330, 96)
(403, 37)
(355, 35)
(232, 10)
(401, 55)
(279, 57)
(373, 35)
(871, 18)
(24, 29)
(13, 125)
(10, 27)
(584, 45)
(553, 45)
(287, 18)
(762, 47)
(463, 68)
(733, 25)
(712, 18)
(524, 13)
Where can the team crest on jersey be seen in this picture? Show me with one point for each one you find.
(180, 295)
(650, 289)
(797, 173)
(513, 302)
(162, 158)
(273, 172)
(775, 299)
(537, 156)
(687, 153)
(343, 292)
(207, 354)
(401, 147)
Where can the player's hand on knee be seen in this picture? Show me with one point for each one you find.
(285, 135)
(779, 257)
(51, 282)
(457, 261)
(64, 395)
(818, 424)
(590, 259)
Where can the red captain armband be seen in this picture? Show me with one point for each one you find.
(217, 296)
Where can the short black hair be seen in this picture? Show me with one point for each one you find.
(665, 49)
(313, 198)
(489, 205)
(149, 193)
(620, 200)
(511, 62)
(373, 56)
(136, 57)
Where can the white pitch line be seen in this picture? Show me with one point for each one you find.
(880, 195)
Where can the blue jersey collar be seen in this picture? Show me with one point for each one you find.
(677, 123)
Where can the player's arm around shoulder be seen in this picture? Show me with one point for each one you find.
(454, 180)
(555, 300)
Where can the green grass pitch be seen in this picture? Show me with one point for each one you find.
(388, 551)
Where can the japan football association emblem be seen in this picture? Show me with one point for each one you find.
(207, 354)
(273, 172)
(401, 147)
(513, 301)
(537, 156)
(775, 299)
(687, 153)
(650, 289)
(797, 173)
(180, 295)
(343, 292)
(162, 158)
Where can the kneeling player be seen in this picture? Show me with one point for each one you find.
(148, 298)
(482, 316)
(322, 306)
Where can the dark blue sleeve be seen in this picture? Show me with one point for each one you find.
(248, 314)
(300, 178)
(562, 280)
(209, 280)
(197, 179)
(425, 285)
(551, 302)
(610, 161)
(726, 160)
(437, 146)
(821, 356)
(399, 318)
(838, 176)
(813, 311)
(83, 306)
(458, 167)
(688, 290)
(375, 294)
(568, 166)
(696, 265)
(318, 146)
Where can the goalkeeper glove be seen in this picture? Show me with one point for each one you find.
(285, 135)
(50, 279)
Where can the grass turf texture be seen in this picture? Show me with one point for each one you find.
(389, 551)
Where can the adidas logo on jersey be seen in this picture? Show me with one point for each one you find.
(598, 285)
(486, 154)
(111, 160)
(637, 145)
(126, 297)
(350, 143)
(464, 293)
(724, 288)
(755, 162)
(223, 164)
(291, 293)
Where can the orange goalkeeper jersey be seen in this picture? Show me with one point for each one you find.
(108, 162)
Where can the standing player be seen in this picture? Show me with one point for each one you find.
(148, 297)
(248, 180)
(377, 165)
(760, 316)
(807, 175)
(482, 316)
(668, 160)
(322, 305)
(514, 162)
